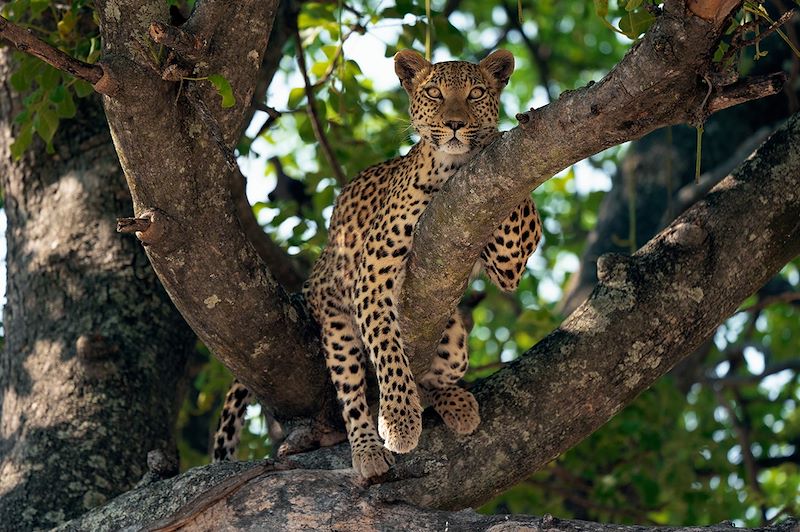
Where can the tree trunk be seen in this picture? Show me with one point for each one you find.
(92, 370)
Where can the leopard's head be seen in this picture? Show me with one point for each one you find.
(454, 105)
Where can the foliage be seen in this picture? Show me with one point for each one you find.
(676, 455)
(50, 93)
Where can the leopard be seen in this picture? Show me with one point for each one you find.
(352, 291)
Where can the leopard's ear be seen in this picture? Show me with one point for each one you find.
(408, 64)
(497, 67)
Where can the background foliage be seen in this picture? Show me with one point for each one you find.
(714, 443)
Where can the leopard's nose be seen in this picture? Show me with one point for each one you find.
(455, 125)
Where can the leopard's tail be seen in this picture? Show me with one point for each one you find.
(226, 439)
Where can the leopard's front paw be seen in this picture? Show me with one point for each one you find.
(400, 425)
(371, 459)
(458, 409)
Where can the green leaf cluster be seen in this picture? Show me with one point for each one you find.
(49, 93)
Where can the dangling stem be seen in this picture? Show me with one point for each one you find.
(428, 30)
(341, 64)
(632, 214)
(699, 153)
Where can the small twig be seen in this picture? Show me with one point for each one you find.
(347, 7)
(132, 225)
(274, 115)
(786, 297)
(316, 124)
(742, 380)
(535, 50)
(738, 42)
(689, 194)
(26, 42)
(770, 30)
(743, 426)
(332, 67)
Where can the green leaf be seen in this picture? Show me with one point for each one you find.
(38, 7)
(633, 4)
(296, 95)
(636, 22)
(223, 87)
(320, 68)
(46, 123)
(19, 82)
(50, 78)
(21, 79)
(22, 141)
(58, 94)
(601, 8)
(66, 107)
(66, 24)
(83, 88)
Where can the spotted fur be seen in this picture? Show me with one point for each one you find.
(230, 421)
(352, 291)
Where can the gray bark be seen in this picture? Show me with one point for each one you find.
(261, 496)
(91, 372)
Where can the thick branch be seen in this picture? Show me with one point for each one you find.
(248, 498)
(202, 254)
(26, 42)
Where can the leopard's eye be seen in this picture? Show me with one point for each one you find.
(433, 92)
(476, 92)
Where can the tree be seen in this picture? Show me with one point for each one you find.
(162, 81)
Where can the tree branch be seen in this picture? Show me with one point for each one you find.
(26, 42)
(316, 123)
(203, 255)
(534, 49)
(255, 499)
(742, 380)
(746, 90)
(692, 192)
